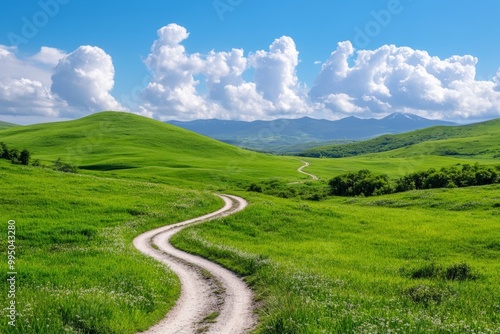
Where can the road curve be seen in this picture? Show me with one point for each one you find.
(300, 170)
(202, 294)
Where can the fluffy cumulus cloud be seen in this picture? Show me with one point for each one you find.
(54, 84)
(361, 82)
(276, 78)
(174, 91)
(260, 84)
(24, 86)
(84, 78)
(402, 79)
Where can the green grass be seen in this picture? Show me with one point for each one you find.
(78, 271)
(128, 146)
(382, 163)
(6, 125)
(341, 266)
(333, 266)
(481, 140)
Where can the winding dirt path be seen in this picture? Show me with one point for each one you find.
(300, 170)
(207, 289)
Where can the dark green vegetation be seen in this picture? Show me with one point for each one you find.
(422, 261)
(365, 183)
(476, 140)
(13, 154)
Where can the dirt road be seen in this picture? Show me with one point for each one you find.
(213, 299)
(300, 170)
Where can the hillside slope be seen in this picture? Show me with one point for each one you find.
(131, 145)
(279, 136)
(6, 125)
(475, 140)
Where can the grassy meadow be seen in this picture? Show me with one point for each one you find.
(123, 145)
(78, 271)
(355, 265)
(415, 262)
(480, 140)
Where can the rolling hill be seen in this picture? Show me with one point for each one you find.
(125, 144)
(475, 140)
(295, 135)
(6, 125)
(315, 264)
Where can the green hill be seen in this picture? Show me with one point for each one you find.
(475, 140)
(6, 125)
(128, 145)
(335, 265)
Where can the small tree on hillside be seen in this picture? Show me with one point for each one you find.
(14, 156)
(5, 153)
(24, 157)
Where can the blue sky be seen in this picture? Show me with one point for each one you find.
(126, 30)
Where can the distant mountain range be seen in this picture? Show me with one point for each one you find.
(296, 135)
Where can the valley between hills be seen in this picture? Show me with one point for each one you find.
(414, 261)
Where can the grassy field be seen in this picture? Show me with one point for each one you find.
(352, 265)
(6, 125)
(123, 145)
(480, 140)
(334, 266)
(77, 269)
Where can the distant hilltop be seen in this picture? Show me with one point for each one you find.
(280, 134)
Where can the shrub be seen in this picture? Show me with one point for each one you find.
(460, 272)
(15, 156)
(362, 183)
(426, 294)
(61, 166)
(426, 271)
(255, 188)
(5, 152)
(451, 177)
(24, 157)
(455, 272)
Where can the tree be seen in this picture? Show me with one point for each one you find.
(362, 183)
(61, 166)
(5, 151)
(24, 157)
(14, 156)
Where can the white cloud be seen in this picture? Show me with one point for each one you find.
(24, 87)
(276, 78)
(48, 56)
(25, 97)
(187, 85)
(84, 79)
(394, 78)
(172, 90)
(175, 93)
(52, 84)
(14, 68)
(496, 80)
(342, 102)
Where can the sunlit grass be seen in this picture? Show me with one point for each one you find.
(77, 269)
(340, 266)
(329, 266)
